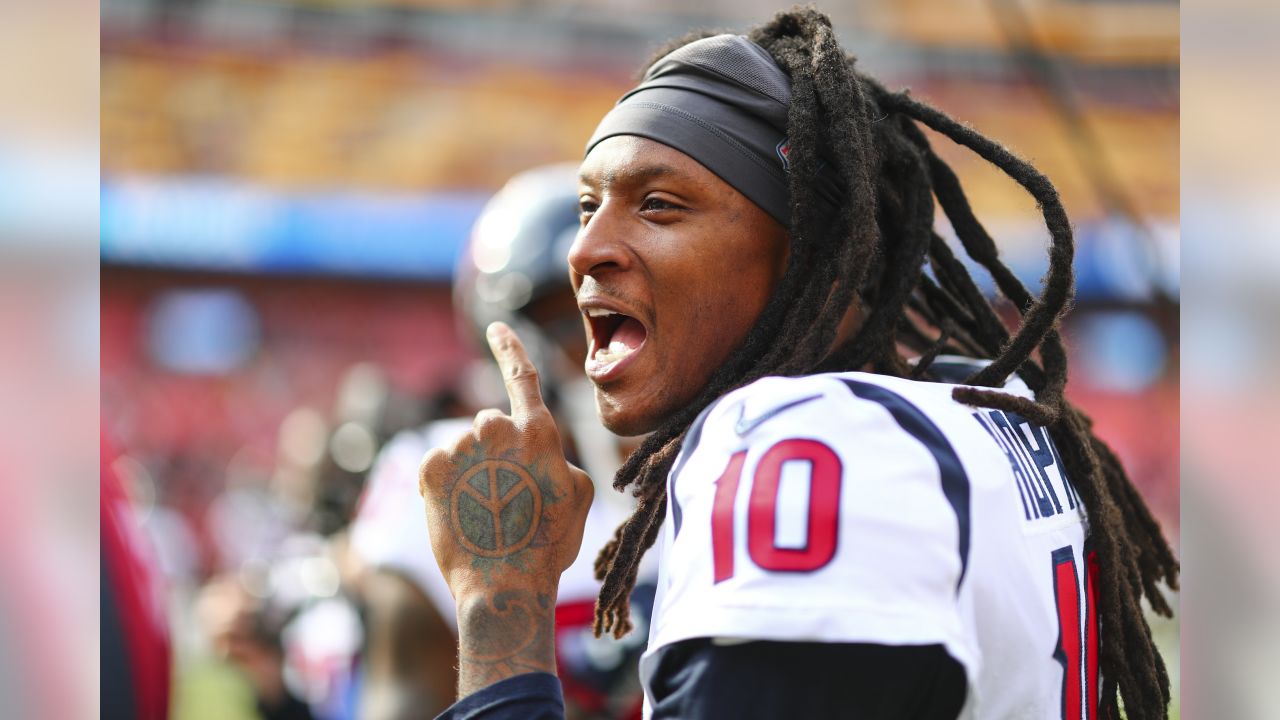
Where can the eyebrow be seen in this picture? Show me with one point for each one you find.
(633, 175)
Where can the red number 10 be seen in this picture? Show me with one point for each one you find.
(1077, 659)
(825, 475)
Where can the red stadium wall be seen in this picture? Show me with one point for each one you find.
(187, 429)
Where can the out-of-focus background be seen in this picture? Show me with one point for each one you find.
(286, 186)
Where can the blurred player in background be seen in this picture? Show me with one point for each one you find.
(136, 663)
(246, 632)
(512, 270)
(871, 497)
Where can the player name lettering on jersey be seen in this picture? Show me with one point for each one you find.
(1043, 486)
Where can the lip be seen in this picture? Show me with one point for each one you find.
(601, 374)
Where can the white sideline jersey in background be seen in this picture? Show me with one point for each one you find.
(859, 508)
(390, 527)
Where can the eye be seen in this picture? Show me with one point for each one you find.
(586, 207)
(657, 204)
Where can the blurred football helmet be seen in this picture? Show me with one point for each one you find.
(514, 269)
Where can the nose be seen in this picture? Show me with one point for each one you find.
(598, 248)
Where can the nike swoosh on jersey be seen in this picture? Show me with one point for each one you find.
(745, 426)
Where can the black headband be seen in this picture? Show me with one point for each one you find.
(722, 101)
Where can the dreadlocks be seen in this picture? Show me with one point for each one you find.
(920, 299)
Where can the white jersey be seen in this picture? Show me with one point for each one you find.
(390, 527)
(859, 508)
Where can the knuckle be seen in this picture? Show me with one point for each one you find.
(522, 372)
(489, 422)
(540, 418)
(429, 468)
(538, 426)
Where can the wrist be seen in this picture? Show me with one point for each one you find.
(504, 632)
(469, 587)
(476, 608)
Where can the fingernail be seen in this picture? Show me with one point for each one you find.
(492, 331)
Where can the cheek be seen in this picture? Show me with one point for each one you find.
(742, 313)
(749, 282)
(724, 300)
(718, 324)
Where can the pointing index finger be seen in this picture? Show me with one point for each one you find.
(518, 372)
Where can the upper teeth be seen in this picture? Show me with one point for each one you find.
(599, 312)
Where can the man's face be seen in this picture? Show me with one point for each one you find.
(672, 267)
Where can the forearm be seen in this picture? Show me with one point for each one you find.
(503, 633)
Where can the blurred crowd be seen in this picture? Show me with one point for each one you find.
(267, 410)
(300, 581)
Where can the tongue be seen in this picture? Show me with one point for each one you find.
(630, 334)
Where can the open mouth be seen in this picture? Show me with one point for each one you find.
(614, 339)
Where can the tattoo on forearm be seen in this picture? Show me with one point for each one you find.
(506, 633)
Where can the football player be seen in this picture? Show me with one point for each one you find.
(843, 531)
(512, 270)
(135, 645)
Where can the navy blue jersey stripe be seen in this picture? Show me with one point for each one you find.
(956, 371)
(955, 483)
(687, 447)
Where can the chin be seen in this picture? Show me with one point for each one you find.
(622, 421)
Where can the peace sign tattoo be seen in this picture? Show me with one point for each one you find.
(495, 508)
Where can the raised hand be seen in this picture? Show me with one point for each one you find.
(505, 512)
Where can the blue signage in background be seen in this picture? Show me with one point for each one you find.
(218, 224)
(215, 224)
(1113, 260)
